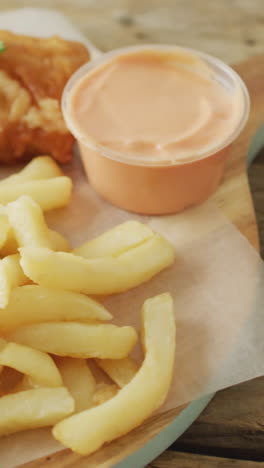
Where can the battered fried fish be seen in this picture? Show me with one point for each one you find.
(33, 73)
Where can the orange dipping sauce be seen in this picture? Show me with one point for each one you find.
(148, 117)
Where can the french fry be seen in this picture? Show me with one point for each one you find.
(100, 275)
(10, 246)
(103, 393)
(87, 431)
(28, 223)
(11, 275)
(42, 167)
(29, 226)
(48, 193)
(59, 242)
(79, 380)
(36, 364)
(34, 304)
(77, 339)
(30, 409)
(115, 241)
(121, 371)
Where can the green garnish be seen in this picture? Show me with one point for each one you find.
(2, 46)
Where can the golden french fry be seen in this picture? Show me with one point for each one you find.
(29, 226)
(80, 340)
(34, 304)
(115, 241)
(79, 380)
(11, 275)
(36, 364)
(30, 409)
(59, 242)
(103, 393)
(121, 371)
(42, 167)
(48, 193)
(85, 432)
(100, 275)
(28, 223)
(10, 246)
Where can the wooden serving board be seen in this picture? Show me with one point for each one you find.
(234, 198)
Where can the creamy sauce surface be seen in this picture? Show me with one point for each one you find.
(155, 107)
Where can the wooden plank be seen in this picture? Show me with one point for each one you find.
(256, 181)
(171, 459)
(233, 31)
(234, 188)
(232, 424)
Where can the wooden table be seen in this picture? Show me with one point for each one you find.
(230, 432)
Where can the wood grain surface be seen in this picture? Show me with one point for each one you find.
(170, 459)
(232, 426)
(230, 29)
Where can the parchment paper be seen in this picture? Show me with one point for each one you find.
(216, 282)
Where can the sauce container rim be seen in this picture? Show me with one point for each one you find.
(121, 157)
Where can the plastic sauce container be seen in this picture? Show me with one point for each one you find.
(154, 125)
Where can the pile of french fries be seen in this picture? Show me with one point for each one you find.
(62, 363)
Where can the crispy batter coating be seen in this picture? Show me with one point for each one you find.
(33, 73)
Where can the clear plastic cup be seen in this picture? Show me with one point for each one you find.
(155, 187)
